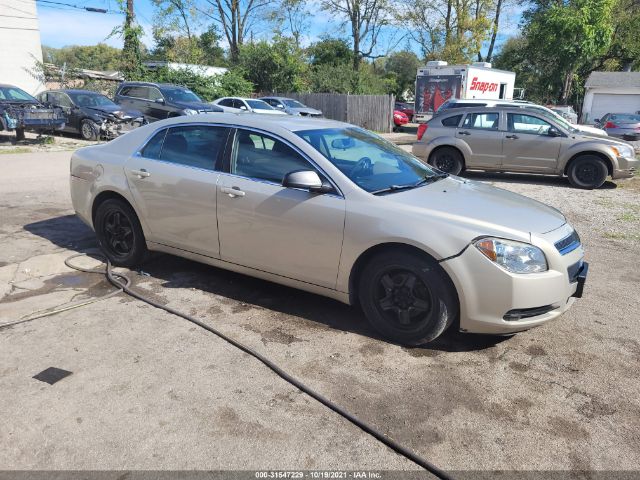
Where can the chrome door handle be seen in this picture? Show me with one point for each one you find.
(142, 173)
(233, 191)
(514, 137)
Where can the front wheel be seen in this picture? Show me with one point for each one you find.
(88, 130)
(587, 172)
(407, 298)
(119, 233)
(447, 159)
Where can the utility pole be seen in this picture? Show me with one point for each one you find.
(131, 59)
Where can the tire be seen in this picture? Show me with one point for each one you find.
(88, 130)
(587, 172)
(447, 159)
(20, 134)
(407, 298)
(119, 233)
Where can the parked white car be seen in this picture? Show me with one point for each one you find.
(239, 104)
(333, 209)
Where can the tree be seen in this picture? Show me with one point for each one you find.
(293, 16)
(365, 18)
(237, 18)
(273, 67)
(404, 65)
(130, 31)
(91, 57)
(330, 51)
(566, 34)
(174, 22)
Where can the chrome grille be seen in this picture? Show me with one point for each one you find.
(568, 244)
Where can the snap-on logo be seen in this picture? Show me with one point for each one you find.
(483, 86)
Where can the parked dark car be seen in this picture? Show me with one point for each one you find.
(91, 114)
(161, 100)
(621, 125)
(20, 111)
(406, 108)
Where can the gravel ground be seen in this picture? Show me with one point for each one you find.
(151, 391)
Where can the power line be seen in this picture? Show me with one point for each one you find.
(88, 9)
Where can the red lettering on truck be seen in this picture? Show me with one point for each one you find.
(483, 86)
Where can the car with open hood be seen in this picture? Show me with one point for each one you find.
(520, 139)
(336, 210)
(91, 114)
(20, 111)
(157, 101)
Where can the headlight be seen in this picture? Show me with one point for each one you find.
(188, 111)
(623, 151)
(515, 257)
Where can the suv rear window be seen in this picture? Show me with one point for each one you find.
(451, 121)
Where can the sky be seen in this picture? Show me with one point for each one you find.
(61, 25)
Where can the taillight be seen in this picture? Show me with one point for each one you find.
(421, 129)
(610, 125)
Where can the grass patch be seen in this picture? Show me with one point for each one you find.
(14, 150)
(622, 236)
(627, 217)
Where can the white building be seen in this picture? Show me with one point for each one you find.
(203, 70)
(610, 92)
(20, 47)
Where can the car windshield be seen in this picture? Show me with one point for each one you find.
(293, 103)
(15, 94)
(556, 118)
(91, 100)
(625, 118)
(180, 95)
(372, 163)
(259, 104)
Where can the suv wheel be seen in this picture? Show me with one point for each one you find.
(119, 233)
(447, 159)
(587, 171)
(407, 298)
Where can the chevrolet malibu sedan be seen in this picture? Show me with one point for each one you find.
(332, 209)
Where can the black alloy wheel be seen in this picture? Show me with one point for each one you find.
(403, 298)
(587, 172)
(119, 233)
(447, 159)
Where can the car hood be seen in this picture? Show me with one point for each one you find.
(112, 109)
(268, 112)
(486, 208)
(199, 106)
(309, 110)
(597, 138)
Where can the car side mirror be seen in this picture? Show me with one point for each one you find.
(280, 106)
(554, 132)
(159, 100)
(597, 120)
(242, 107)
(342, 143)
(305, 180)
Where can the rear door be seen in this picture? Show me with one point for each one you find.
(527, 145)
(173, 181)
(480, 130)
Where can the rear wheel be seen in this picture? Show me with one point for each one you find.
(587, 171)
(407, 298)
(447, 159)
(119, 233)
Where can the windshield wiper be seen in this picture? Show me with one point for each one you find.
(431, 178)
(424, 181)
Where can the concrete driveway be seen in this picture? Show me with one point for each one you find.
(150, 391)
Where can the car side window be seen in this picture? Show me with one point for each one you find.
(264, 158)
(136, 92)
(64, 100)
(153, 94)
(238, 103)
(227, 102)
(195, 146)
(521, 123)
(154, 146)
(482, 121)
(452, 121)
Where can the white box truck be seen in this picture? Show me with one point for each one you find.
(438, 81)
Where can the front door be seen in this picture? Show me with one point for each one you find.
(480, 132)
(173, 182)
(528, 146)
(262, 225)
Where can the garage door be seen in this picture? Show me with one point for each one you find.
(611, 103)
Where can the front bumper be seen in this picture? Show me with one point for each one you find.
(626, 168)
(495, 301)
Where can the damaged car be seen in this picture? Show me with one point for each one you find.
(20, 111)
(93, 115)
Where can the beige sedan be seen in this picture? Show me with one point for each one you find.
(335, 210)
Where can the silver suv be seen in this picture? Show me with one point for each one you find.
(516, 139)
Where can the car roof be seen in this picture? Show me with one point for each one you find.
(259, 121)
(153, 84)
(71, 90)
(8, 85)
(481, 108)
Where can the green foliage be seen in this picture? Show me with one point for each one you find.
(330, 51)
(402, 66)
(273, 67)
(93, 57)
(206, 87)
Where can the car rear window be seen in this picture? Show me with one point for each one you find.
(451, 121)
(154, 146)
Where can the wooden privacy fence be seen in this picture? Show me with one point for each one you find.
(374, 112)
